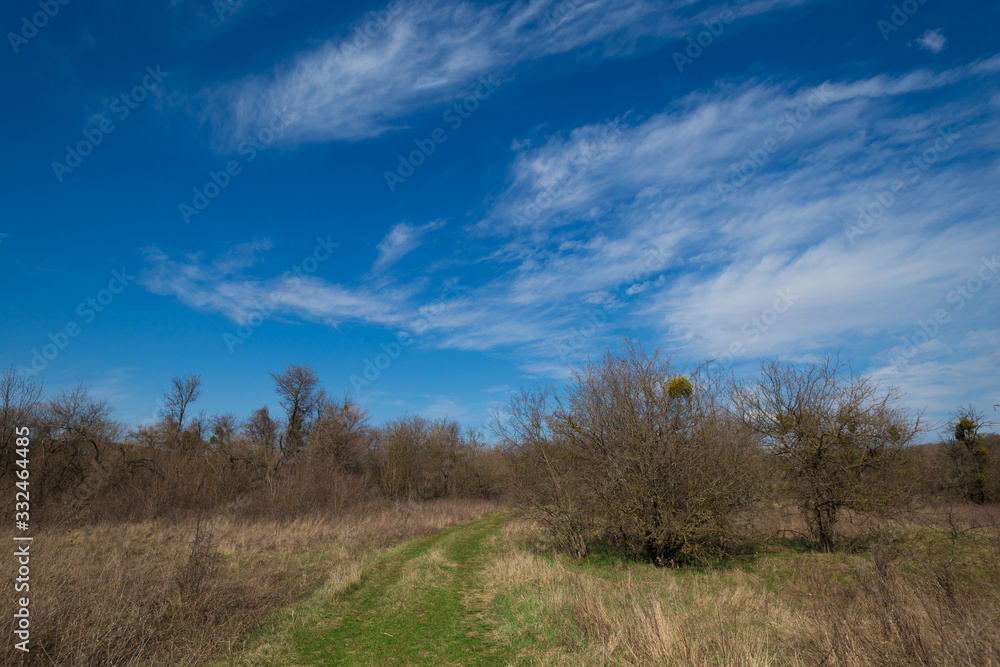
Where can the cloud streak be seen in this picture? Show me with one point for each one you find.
(418, 54)
(401, 240)
(655, 186)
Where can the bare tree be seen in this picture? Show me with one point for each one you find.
(183, 392)
(194, 436)
(301, 397)
(396, 457)
(483, 470)
(19, 402)
(837, 438)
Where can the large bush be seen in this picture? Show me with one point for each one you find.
(637, 454)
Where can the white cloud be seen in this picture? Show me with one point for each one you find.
(223, 286)
(400, 240)
(575, 227)
(932, 41)
(433, 52)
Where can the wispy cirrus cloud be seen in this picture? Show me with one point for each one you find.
(401, 240)
(225, 285)
(425, 53)
(656, 186)
(577, 269)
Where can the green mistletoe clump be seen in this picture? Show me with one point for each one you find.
(680, 386)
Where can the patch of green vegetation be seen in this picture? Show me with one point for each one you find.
(414, 604)
(602, 557)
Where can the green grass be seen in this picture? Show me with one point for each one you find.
(488, 592)
(415, 604)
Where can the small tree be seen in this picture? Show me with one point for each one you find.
(395, 456)
(546, 478)
(836, 437)
(413, 457)
(182, 393)
(301, 397)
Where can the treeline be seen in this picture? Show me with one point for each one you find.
(669, 465)
(320, 455)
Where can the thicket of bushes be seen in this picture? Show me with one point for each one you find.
(671, 465)
(322, 456)
(667, 464)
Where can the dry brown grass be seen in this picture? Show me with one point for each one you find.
(922, 598)
(110, 594)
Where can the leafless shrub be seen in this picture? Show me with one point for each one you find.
(548, 483)
(201, 561)
(261, 433)
(182, 393)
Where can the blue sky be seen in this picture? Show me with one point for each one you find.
(435, 202)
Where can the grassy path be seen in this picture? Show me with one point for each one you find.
(415, 605)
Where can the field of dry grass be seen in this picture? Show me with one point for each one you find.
(146, 594)
(926, 592)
